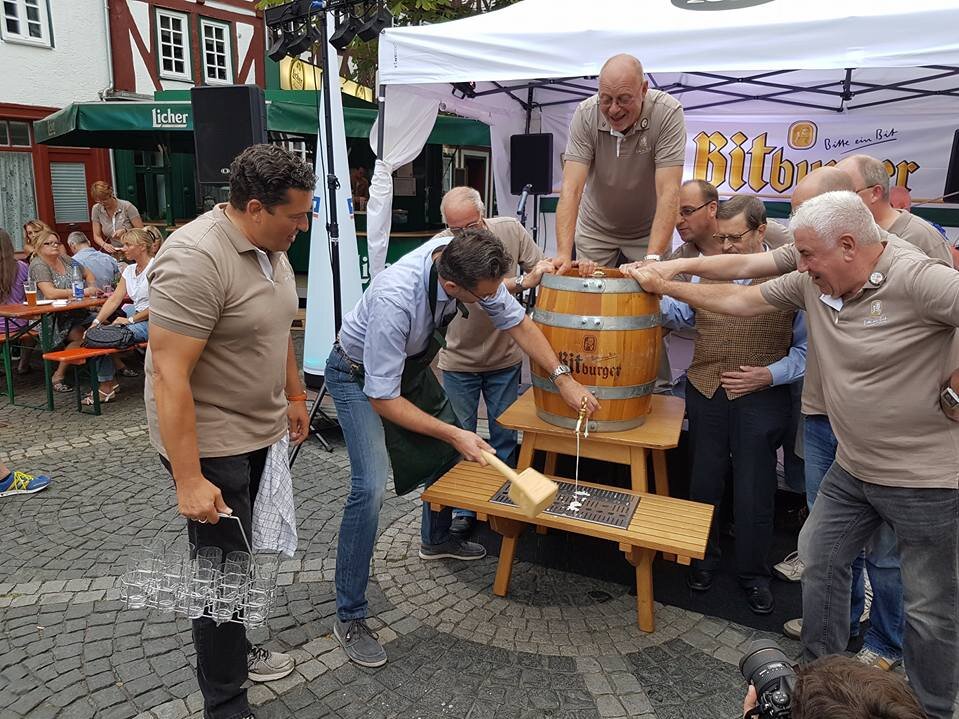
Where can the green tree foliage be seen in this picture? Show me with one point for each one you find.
(359, 60)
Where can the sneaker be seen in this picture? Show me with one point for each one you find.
(22, 483)
(877, 660)
(360, 643)
(267, 666)
(793, 628)
(453, 548)
(790, 569)
(867, 604)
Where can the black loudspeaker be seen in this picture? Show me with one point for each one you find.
(951, 192)
(531, 163)
(226, 120)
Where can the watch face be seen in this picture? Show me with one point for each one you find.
(950, 398)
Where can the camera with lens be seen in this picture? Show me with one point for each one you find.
(766, 667)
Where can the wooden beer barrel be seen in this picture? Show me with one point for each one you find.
(608, 331)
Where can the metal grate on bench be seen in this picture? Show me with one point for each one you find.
(602, 506)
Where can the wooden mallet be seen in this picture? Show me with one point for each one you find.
(530, 490)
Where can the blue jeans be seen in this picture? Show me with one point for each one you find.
(881, 558)
(500, 388)
(106, 370)
(846, 515)
(369, 469)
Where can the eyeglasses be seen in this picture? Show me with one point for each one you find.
(484, 298)
(687, 211)
(719, 237)
(477, 225)
(867, 187)
(50, 244)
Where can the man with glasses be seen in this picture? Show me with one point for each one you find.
(624, 163)
(738, 404)
(394, 413)
(871, 183)
(479, 359)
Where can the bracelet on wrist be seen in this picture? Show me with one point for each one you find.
(296, 397)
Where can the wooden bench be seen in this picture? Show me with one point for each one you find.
(78, 356)
(659, 524)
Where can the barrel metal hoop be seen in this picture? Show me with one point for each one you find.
(623, 392)
(594, 285)
(594, 425)
(598, 324)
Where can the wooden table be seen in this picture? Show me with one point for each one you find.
(658, 433)
(673, 526)
(41, 315)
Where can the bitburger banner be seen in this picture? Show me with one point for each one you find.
(768, 155)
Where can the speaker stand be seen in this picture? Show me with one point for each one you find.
(316, 412)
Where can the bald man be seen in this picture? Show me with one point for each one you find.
(623, 166)
(872, 185)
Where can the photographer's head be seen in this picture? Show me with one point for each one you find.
(837, 686)
(473, 265)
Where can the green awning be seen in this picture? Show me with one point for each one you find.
(168, 120)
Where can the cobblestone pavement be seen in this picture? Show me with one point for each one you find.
(561, 646)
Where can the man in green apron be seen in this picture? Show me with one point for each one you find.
(394, 412)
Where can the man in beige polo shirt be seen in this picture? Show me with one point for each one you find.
(883, 318)
(623, 165)
(479, 359)
(222, 383)
(872, 184)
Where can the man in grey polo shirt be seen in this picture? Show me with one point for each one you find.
(394, 413)
(222, 383)
(883, 318)
(623, 165)
(872, 185)
(105, 269)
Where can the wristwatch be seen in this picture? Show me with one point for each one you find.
(652, 258)
(949, 397)
(559, 372)
(520, 278)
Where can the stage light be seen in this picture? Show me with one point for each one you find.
(465, 89)
(279, 45)
(309, 36)
(371, 29)
(345, 33)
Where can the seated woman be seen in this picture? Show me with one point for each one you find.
(13, 273)
(32, 229)
(52, 270)
(137, 246)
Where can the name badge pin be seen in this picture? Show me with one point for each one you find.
(877, 278)
(644, 123)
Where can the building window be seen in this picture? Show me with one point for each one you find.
(15, 134)
(27, 21)
(217, 60)
(174, 45)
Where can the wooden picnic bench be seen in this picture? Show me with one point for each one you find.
(659, 524)
(78, 356)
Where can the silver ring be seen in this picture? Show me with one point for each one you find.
(201, 521)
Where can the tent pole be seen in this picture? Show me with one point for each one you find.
(380, 120)
(168, 179)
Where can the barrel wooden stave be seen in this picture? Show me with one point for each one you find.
(610, 360)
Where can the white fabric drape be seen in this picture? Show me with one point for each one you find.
(409, 121)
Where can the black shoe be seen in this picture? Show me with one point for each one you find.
(760, 600)
(453, 548)
(699, 579)
(462, 526)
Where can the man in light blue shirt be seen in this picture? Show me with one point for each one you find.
(394, 412)
(104, 268)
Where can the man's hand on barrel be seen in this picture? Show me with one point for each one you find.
(562, 263)
(535, 275)
(573, 394)
(471, 445)
(648, 276)
(586, 267)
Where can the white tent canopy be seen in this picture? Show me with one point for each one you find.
(525, 67)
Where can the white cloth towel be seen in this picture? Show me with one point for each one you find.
(274, 514)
